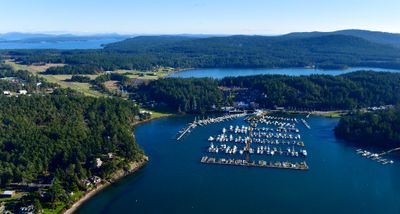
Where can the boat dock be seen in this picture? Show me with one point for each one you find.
(261, 163)
(375, 156)
(305, 123)
(186, 130)
(207, 121)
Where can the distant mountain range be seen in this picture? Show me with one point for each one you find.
(392, 39)
(35, 38)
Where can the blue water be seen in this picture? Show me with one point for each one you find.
(86, 44)
(219, 73)
(174, 181)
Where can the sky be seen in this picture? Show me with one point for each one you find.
(265, 17)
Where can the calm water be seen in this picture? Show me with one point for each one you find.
(87, 44)
(174, 181)
(226, 72)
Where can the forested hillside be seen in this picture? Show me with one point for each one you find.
(323, 92)
(315, 92)
(261, 51)
(379, 128)
(183, 95)
(63, 136)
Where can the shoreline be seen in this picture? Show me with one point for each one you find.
(117, 175)
(134, 167)
(328, 114)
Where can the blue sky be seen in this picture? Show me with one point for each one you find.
(197, 16)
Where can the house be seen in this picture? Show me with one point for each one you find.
(95, 180)
(23, 92)
(7, 194)
(99, 162)
(110, 155)
(7, 92)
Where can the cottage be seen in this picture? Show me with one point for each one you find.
(7, 194)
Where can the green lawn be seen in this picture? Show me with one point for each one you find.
(85, 88)
(59, 79)
(56, 210)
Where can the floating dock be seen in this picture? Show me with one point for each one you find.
(261, 163)
(207, 121)
(305, 123)
(375, 156)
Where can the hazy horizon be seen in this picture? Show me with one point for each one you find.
(66, 33)
(250, 17)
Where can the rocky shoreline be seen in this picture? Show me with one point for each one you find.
(116, 176)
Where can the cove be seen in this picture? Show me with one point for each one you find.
(174, 180)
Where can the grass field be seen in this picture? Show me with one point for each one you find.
(59, 79)
(149, 75)
(85, 88)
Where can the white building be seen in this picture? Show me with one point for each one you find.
(23, 92)
(7, 194)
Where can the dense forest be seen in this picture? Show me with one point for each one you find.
(60, 135)
(379, 128)
(194, 95)
(314, 92)
(261, 51)
(322, 92)
(146, 52)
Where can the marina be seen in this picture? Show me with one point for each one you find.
(263, 138)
